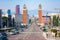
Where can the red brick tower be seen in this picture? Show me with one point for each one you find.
(24, 17)
(40, 14)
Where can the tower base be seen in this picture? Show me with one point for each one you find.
(23, 24)
(40, 24)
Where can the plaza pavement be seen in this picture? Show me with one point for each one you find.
(32, 33)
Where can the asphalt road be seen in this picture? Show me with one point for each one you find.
(32, 33)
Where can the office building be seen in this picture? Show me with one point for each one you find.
(46, 20)
(18, 16)
(17, 9)
(9, 18)
(0, 18)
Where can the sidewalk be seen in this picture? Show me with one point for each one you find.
(49, 37)
(57, 38)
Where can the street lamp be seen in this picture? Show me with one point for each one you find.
(51, 21)
(46, 19)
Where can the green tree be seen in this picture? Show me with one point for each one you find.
(55, 20)
(4, 18)
(4, 21)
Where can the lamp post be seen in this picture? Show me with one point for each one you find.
(46, 19)
(51, 21)
(58, 19)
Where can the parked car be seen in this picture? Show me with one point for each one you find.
(13, 32)
(3, 36)
(16, 31)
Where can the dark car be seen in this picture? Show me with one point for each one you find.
(3, 36)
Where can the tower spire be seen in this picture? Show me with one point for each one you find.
(24, 6)
(40, 7)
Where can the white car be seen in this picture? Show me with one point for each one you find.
(13, 32)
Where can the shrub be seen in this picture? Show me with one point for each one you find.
(54, 30)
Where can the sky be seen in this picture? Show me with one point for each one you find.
(31, 5)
